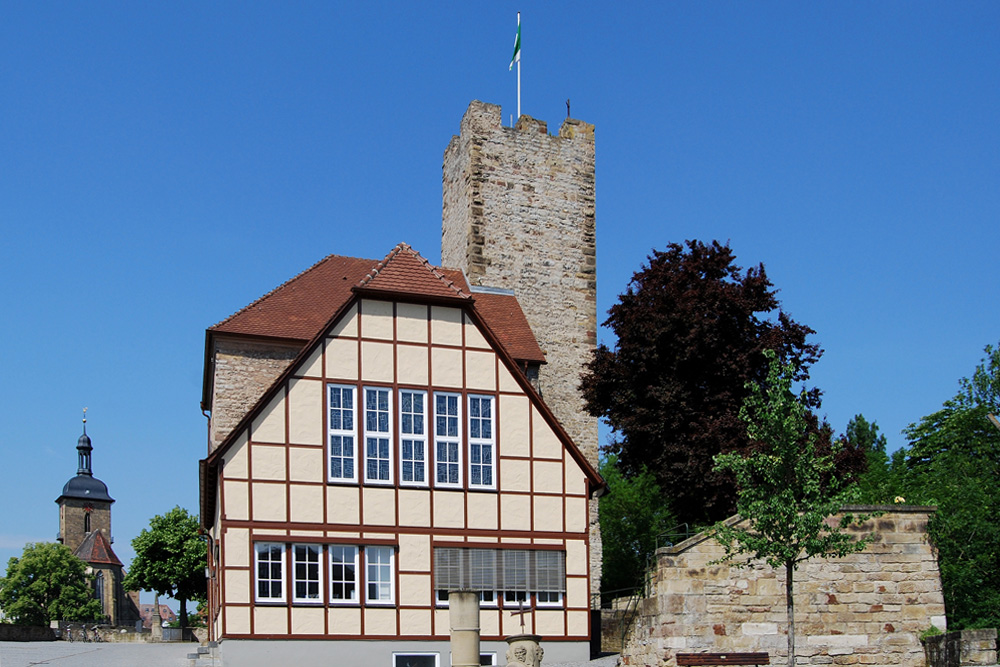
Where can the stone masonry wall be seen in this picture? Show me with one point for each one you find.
(967, 648)
(243, 371)
(868, 608)
(518, 213)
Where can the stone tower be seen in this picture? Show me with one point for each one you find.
(518, 213)
(85, 527)
(84, 504)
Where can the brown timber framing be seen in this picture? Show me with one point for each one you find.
(210, 468)
(212, 493)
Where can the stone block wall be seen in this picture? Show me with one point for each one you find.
(518, 213)
(242, 372)
(868, 608)
(968, 648)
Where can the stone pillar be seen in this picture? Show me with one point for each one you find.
(463, 611)
(156, 623)
(524, 651)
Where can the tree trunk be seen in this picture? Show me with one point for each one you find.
(790, 610)
(184, 614)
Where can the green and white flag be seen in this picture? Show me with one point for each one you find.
(516, 58)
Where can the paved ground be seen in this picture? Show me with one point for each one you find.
(77, 654)
(607, 661)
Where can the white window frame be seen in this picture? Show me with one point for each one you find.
(487, 599)
(514, 598)
(409, 434)
(390, 568)
(450, 441)
(416, 654)
(316, 550)
(347, 549)
(553, 604)
(257, 548)
(487, 442)
(379, 434)
(342, 433)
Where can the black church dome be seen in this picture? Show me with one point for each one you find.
(86, 487)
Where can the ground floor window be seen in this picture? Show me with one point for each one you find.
(343, 579)
(415, 659)
(433, 659)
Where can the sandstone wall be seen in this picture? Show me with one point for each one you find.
(518, 213)
(243, 370)
(968, 648)
(868, 608)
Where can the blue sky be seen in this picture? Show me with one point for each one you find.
(164, 164)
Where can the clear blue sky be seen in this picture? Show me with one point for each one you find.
(164, 164)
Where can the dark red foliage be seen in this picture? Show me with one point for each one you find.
(691, 330)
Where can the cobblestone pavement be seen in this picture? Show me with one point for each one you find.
(77, 654)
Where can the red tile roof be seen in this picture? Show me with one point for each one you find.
(95, 548)
(299, 308)
(504, 316)
(404, 271)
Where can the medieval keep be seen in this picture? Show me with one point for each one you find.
(85, 527)
(384, 431)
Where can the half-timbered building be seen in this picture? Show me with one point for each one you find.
(376, 441)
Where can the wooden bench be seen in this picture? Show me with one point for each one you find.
(698, 659)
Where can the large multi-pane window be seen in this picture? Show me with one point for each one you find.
(481, 442)
(306, 572)
(426, 436)
(342, 433)
(343, 574)
(378, 573)
(413, 437)
(270, 566)
(447, 440)
(378, 435)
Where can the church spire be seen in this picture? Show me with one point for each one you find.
(83, 449)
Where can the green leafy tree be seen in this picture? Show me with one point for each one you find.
(954, 463)
(633, 513)
(47, 583)
(690, 330)
(883, 478)
(788, 491)
(170, 559)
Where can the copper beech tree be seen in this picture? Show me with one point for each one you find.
(691, 329)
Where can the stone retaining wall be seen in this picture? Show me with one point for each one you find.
(968, 648)
(868, 608)
(25, 633)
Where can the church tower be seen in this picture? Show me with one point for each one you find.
(518, 214)
(85, 527)
(84, 505)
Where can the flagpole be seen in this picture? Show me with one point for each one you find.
(517, 58)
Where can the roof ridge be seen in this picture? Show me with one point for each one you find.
(290, 280)
(396, 251)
